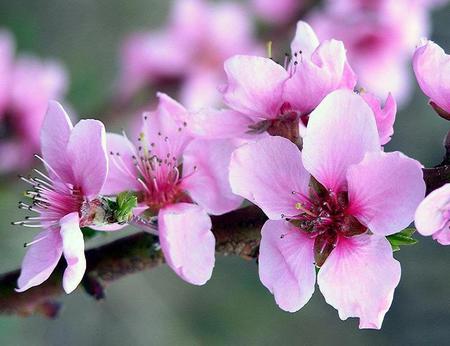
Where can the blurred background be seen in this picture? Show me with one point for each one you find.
(156, 307)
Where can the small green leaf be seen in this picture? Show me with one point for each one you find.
(402, 238)
(126, 202)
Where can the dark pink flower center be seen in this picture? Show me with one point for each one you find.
(324, 216)
(51, 198)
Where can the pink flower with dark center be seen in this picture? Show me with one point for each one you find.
(178, 179)
(26, 86)
(265, 96)
(432, 69)
(191, 48)
(433, 215)
(77, 165)
(330, 205)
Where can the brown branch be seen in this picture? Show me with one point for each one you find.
(237, 233)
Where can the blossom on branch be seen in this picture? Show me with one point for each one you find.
(331, 206)
(180, 180)
(433, 215)
(77, 165)
(432, 68)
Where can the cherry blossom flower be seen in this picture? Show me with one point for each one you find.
(433, 215)
(330, 205)
(379, 37)
(265, 96)
(432, 69)
(26, 86)
(178, 179)
(192, 47)
(77, 165)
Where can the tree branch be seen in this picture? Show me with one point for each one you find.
(237, 233)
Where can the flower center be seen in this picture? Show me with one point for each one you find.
(51, 198)
(323, 216)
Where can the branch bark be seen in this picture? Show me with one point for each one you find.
(237, 233)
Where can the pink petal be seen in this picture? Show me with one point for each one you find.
(254, 86)
(286, 264)
(208, 183)
(40, 260)
(432, 69)
(359, 278)
(86, 152)
(384, 191)
(73, 248)
(210, 123)
(433, 214)
(267, 172)
(384, 117)
(55, 134)
(305, 40)
(316, 76)
(340, 131)
(187, 241)
(165, 128)
(279, 11)
(6, 63)
(122, 174)
(199, 89)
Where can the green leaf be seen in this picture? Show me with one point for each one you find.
(126, 202)
(402, 238)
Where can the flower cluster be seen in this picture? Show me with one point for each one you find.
(296, 139)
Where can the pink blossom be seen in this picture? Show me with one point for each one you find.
(77, 165)
(432, 69)
(26, 86)
(192, 47)
(277, 12)
(323, 201)
(263, 95)
(433, 215)
(179, 179)
(379, 37)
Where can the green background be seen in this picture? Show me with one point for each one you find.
(156, 307)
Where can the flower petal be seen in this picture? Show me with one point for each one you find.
(267, 172)
(205, 172)
(433, 214)
(212, 123)
(432, 68)
(122, 174)
(384, 117)
(254, 86)
(286, 264)
(359, 278)
(316, 76)
(86, 151)
(164, 128)
(384, 191)
(40, 260)
(55, 134)
(305, 40)
(73, 248)
(187, 241)
(340, 131)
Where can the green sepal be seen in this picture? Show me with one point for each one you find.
(125, 203)
(89, 233)
(402, 238)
